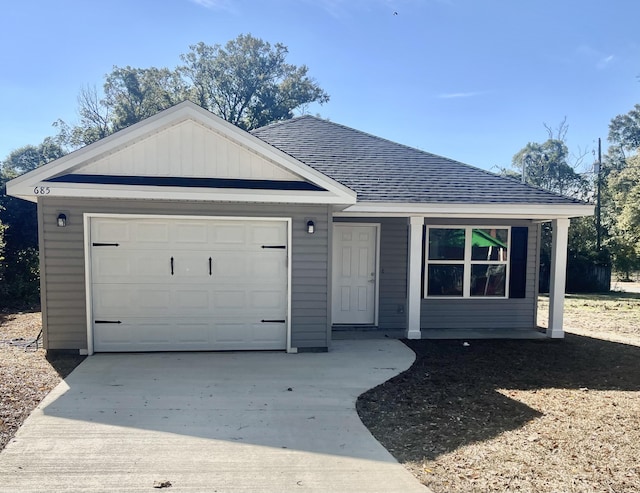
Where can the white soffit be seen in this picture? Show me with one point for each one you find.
(184, 141)
(459, 210)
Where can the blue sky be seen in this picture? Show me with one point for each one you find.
(473, 80)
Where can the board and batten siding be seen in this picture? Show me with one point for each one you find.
(188, 149)
(63, 277)
(487, 313)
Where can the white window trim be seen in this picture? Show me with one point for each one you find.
(467, 262)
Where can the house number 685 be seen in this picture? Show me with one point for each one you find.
(42, 190)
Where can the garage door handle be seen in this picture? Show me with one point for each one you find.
(171, 265)
(107, 322)
(210, 262)
(273, 321)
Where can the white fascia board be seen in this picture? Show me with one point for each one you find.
(24, 185)
(472, 211)
(180, 193)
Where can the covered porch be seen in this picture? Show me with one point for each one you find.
(405, 307)
(560, 228)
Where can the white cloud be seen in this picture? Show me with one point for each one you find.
(458, 95)
(215, 4)
(603, 62)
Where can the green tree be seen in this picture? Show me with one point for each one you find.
(30, 157)
(624, 130)
(95, 121)
(133, 94)
(19, 278)
(546, 166)
(621, 191)
(248, 82)
(621, 208)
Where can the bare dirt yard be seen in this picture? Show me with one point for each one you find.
(491, 416)
(26, 375)
(526, 416)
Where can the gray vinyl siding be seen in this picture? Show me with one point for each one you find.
(514, 313)
(448, 313)
(393, 273)
(63, 276)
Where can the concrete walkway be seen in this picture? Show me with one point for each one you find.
(211, 422)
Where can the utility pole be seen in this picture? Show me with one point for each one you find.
(525, 160)
(598, 201)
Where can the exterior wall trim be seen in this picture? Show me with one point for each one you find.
(415, 267)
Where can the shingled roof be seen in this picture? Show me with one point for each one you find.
(380, 170)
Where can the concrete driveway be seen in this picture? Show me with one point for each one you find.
(211, 422)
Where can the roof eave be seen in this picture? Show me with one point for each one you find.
(470, 210)
(99, 191)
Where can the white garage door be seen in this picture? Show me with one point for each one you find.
(172, 284)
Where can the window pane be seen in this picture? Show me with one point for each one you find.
(489, 244)
(488, 279)
(445, 280)
(446, 244)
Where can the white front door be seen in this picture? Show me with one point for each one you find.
(354, 273)
(173, 284)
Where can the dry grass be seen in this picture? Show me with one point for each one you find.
(26, 375)
(526, 416)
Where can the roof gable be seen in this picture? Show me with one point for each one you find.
(184, 152)
(187, 149)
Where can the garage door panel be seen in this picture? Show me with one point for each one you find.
(258, 335)
(252, 267)
(267, 333)
(203, 305)
(223, 235)
(116, 336)
(191, 235)
(267, 234)
(146, 332)
(111, 265)
(110, 230)
(268, 267)
(192, 332)
(231, 332)
(192, 299)
(150, 234)
(130, 300)
(265, 300)
(229, 300)
(191, 267)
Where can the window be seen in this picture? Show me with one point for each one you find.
(467, 261)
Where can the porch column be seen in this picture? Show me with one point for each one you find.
(414, 277)
(560, 232)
